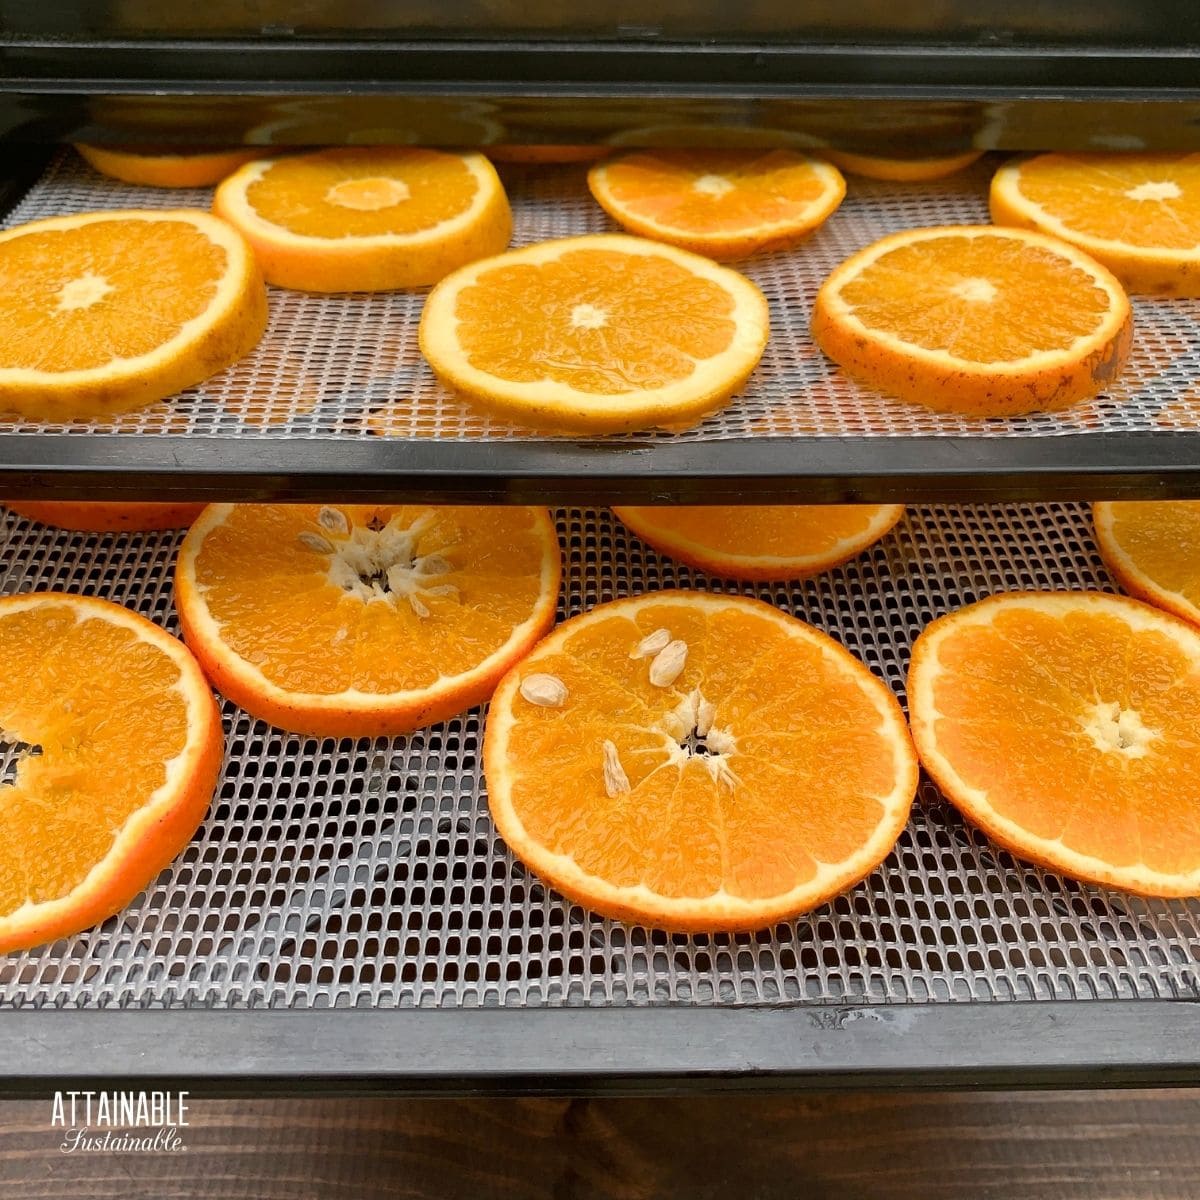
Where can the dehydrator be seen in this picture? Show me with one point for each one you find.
(347, 917)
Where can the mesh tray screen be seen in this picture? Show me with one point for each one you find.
(348, 365)
(367, 873)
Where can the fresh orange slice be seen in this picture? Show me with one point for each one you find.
(902, 170)
(105, 516)
(698, 762)
(723, 203)
(367, 219)
(349, 621)
(547, 154)
(165, 166)
(1139, 214)
(1153, 549)
(1064, 725)
(117, 744)
(765, 542)
(977, 320)
(105, 312)
(598, 334)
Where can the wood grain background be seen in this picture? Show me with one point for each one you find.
(1141, 1145)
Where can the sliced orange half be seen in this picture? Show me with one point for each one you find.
(975, 319)
(165, 166)
(723, 203)
(105, 312)
(117, 743)
(1139, 214)
(598, 334)
(367, 219)
(697, 762)
(1153, 549)
(917, 169)
(1064, 725)
(349, 621)
(105, 516)
(764, 542)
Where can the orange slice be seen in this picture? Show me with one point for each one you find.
(105, 312)
(545, 154)
(977, 320)
(723, 203)
(367, 219)
(765, 542)
(105, 516)
(1152, 547)
(1064, 725)
(118, 747)
(902, 170)
(697, 762)
(165, 166)
(359, 621)
(597, 334)
(1139, 214)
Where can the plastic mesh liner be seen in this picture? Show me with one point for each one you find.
(367, 873)
(348, 365)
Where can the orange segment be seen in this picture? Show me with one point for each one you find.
(1139, 214)
(974, 319)
(914, 169)
(105, 312)
(165, 166)
(726, 204)
(1153, 549)
(765, 542)
(359, 621)
(697, 762)
(118, 746)
(104, 516)
(367, 219)
(596, 334)
(1064, 725)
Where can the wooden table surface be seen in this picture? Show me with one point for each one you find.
(1136, 1145)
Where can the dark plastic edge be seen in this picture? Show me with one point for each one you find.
(596, 1050)
(594, 67)
(559, 471)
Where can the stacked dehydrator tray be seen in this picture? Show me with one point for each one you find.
(347, 916)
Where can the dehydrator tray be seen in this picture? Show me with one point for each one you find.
(337, 398)
(347, 915)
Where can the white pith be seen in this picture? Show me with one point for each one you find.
(348, 194)
(712, 185)
(83, 292)
(1163, 189)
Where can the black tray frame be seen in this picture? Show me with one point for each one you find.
(592, 1051)
(557, 471)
